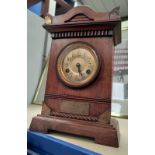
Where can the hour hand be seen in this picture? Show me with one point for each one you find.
(78, 65)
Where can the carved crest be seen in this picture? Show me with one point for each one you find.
(114, 13)
(79, 17)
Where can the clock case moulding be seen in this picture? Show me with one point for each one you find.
(82, 111)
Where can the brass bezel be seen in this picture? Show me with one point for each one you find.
(61, 57)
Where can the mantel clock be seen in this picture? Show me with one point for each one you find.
(79, 82)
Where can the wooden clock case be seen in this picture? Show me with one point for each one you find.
(82, 111)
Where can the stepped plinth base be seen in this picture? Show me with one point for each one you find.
(105, 134)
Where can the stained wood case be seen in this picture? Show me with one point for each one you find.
(91, 104)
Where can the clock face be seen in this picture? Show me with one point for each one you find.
(77, 64)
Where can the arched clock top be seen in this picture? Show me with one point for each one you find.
(82, 21)
(85, 14)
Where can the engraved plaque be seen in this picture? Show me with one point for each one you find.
(80, 108)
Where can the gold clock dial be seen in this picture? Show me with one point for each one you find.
(77, 64)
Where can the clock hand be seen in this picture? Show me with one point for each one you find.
(78, 65)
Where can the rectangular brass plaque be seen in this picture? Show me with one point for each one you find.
(73, 107)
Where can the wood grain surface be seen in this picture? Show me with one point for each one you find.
(82, 111)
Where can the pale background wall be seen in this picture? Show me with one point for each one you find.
(38, 44)
(35, 46)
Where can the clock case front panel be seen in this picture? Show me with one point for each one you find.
(97, 93)
(84, 111)
(102, 32)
